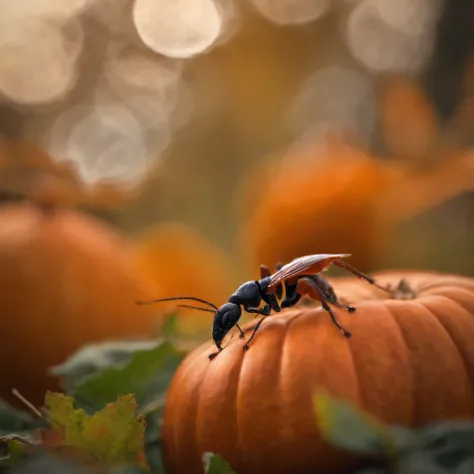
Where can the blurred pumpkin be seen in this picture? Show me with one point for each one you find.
(408, 122)
(182, 261)
(316, 201)
(26, 170)
(337, 198)
(66, 279)
(255, 408)
(410, 126)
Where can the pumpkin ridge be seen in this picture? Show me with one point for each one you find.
(403, 371)
(284, 349)
(377, 327)
(470, 377)
(192, 412)
(448, 332)
(447, 284)
(453, 288)
(360, 394)
(412, 376)
(239, 448)
(446, 401)
(278, 359)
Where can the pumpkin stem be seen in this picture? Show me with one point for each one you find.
(404, 291)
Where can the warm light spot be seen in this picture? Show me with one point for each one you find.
(337, 98)
(231, 19)
(410, 16)
(148, 85)
(105, 144)
(38, 59)
(115, 15)
(284, 12)
(55, 10)
(382, 47)
(179, 29)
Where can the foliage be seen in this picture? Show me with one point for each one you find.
(109, 421)
(145, 374)
(439, 448)
(94, 358)
(112, 436)
(108, 418)
(17, 433)
(215, 464)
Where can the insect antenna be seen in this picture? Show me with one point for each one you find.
(180, 298)
(195, 307)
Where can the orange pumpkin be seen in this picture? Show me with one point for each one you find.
(408, 121)
(182, 261)
(410, 361)
(66, 279)
(317, 201)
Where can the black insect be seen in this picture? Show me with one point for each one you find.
(299, 277)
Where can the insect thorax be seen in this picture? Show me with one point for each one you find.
(247, 294)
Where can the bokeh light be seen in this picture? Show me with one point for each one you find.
(53, 11)
(115, 15)
(387, 36)
(104, 143)
(178, 29)
(216, 136)
(338, 97)
(412, 17)
(38, 59)
(286, 12)
(148, 86)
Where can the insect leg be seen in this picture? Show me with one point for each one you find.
(306, 285)
(323, 298)
(271, 301)
(246, 345)
(269, 298)
(219, 350)
(292, 295)
(242, 334)
(362, 276)
(265, 311)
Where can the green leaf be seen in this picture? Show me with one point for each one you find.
(146, 374)
(449, 443)
(344, 426)
(113, 436)
(418, 463)
(144, 371)
(153, 442)
(17, 433)
(46, 462)
(14, 448)
(215, 464)
(372, 470)
(14, 421)
(170, 327)
(94, 358)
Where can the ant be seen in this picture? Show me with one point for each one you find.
(299, 278)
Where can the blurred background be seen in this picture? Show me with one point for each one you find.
(153, 148)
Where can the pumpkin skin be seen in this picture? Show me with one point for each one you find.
(66, 279)
(255, 408)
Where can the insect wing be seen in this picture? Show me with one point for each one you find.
(309, 265)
